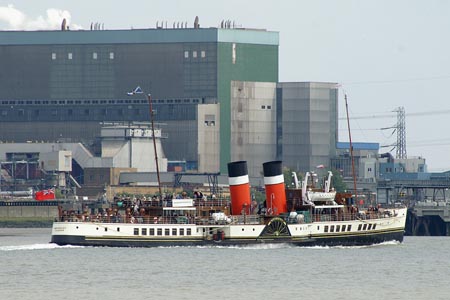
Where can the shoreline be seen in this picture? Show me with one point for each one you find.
(26, 222)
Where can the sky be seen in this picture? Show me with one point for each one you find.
(384, 54)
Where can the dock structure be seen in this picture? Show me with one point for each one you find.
(427, 197)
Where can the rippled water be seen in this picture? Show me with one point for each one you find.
(32, 268)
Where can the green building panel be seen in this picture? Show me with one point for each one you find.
(250, 62)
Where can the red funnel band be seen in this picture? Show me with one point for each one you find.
(240, 198)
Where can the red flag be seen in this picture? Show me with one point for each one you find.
(48, 194)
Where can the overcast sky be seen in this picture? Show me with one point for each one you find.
(385, 54)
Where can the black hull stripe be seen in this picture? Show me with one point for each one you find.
(336, 240)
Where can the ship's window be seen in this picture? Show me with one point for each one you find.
(174, 231)
(136, 231)
(188, 231)
(181, 231)
(343, 228)
(167, 231)
(144, 231)
(118, 229)
(151, 231)
(332, 228)
(374, 226)
(338, 228)
(365, 227)
(159, 231)
(325, 228)
(349, 228)
(370, 227)
(359, 227)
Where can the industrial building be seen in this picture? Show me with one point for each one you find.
(214, 92)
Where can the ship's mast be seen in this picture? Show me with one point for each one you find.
(149, 97)
(351, 149)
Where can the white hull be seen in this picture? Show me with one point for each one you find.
(354, 232)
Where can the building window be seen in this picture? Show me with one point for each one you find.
(194, 54)
(269, 107)
(53, 56)
(69, 55)
(111, 55)
(203, 54)
(186, 54)
(94, 55)
(263, 107)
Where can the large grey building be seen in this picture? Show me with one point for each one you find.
(215, 93)
(59, 85)
(307, 124)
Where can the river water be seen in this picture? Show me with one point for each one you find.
(32, 268)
